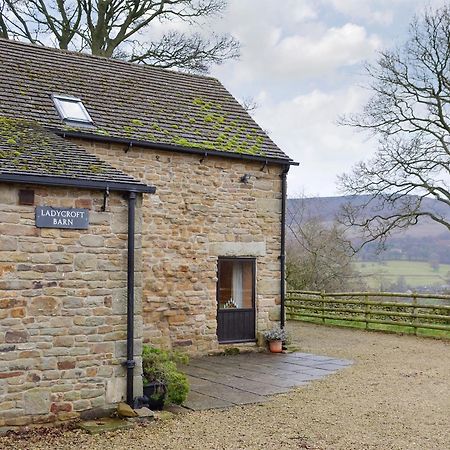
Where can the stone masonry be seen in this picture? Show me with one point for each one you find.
(201, 211)
(63, 308)
(63, 292)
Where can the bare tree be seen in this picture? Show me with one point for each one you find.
(126, 29)
(249, 104)
(318, 255)
(409, 113)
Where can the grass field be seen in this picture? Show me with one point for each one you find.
(425, 332)
(413, 274)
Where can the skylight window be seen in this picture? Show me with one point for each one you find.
(71, 109)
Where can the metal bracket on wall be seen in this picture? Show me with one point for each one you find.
(130, 144)
(105, 199)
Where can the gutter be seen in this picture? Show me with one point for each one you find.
(76, 183)
(283, 244)
(170, 147)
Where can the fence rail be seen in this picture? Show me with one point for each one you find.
(385, 310)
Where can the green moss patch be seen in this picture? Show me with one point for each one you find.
(26, 146)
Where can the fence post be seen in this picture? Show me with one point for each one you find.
(367, 311)
(414, 313)
(322, 294)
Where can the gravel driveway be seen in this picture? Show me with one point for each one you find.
(395, 396)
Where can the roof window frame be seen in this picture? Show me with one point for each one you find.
(59, 99)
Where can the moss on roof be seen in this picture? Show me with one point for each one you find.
(129, 101)
(16, 136)
(28, 148)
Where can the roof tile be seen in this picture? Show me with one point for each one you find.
(130, 101)
(27, 148)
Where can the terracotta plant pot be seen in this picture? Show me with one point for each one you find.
(276, 346)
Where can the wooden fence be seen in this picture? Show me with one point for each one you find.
(378, 310)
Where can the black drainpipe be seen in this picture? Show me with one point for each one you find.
(130, 363)
(283, 242)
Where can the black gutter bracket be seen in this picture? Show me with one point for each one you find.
(105, 199)
(204, 157)
(129, 363)
(130, 145)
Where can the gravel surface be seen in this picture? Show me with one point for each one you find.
(395, 396)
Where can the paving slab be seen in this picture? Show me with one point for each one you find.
(305, 361)
(226, 393)
(199, 402)
(276, 368)
(262, 373)
(256, 387)
(261, 377)
(225, 381)
(331, 366)
(342, 362)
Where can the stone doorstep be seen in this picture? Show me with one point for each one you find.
(243, 347)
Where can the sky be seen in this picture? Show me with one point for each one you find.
(302, 62)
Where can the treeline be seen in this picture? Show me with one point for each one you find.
(434, 250)
(318, 255)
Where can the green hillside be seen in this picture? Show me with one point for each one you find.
(412, 274)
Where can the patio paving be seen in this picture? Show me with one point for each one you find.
(224, 381)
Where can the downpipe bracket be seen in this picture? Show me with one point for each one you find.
(129, 364)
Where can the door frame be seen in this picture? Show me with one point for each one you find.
(251, 259)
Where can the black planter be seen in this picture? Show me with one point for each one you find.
(155, 393)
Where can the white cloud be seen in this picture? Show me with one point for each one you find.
(372, 11)
(301, 55)
(240, 13)
(381, 12)
(301, 60)
(291, 43)
(305, 128)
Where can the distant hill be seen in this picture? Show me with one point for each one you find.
(426, 241)
(327, 208)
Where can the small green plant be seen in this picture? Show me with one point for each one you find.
(230, 351)
(161, 366)
(275, 334)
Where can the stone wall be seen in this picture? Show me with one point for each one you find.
(201, 211)
(63, 308)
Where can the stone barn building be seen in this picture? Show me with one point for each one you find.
(137, 205)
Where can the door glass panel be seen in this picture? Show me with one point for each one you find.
(235, 283)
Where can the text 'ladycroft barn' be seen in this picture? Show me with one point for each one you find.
(76, 218)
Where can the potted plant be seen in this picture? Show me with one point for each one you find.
(163, 382)
(275, 338)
